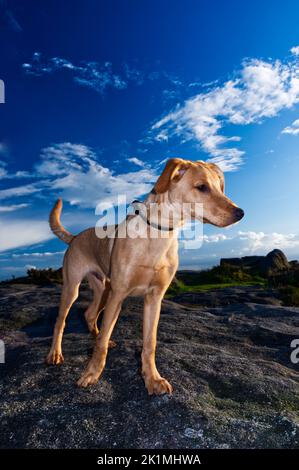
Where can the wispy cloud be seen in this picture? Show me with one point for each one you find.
(251, 242)
(293, 129)
(81, 180)
(136, 161)
(12, 207)
(74, 172)
(216, 238)
(262, 242)
(38, 254)
(17, 191)
(257, 241)
(24, 232)
(3, 171)
(89, 74)
(4, 174)
(260, 89)
(102, 76)
(8, 17)
(295, 50)
(239, 244)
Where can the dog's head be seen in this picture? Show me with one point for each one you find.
(199, 182)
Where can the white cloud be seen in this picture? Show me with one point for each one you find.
(293, 129)
(295, 50)
(95, 75)
(260, 241)
(101, 76)
(259, 90)
(73, 172)
(60, 159)
(136, 161)
(162, 136)
(18, 191)
(80, 179)
(218, 237)
(29, 266)
(18, 233)
(89, 74)
(3, 171)
(12, 207)
(45, 254)
(239, 244)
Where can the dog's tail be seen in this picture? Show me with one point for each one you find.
(55, 224)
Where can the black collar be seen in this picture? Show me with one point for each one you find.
(151, 224)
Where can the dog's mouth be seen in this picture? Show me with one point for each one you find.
(207, 221)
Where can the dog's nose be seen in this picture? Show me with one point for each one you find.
(239, 213)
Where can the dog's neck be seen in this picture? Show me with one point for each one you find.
(161, 211)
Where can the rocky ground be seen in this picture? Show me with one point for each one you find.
(229, 363)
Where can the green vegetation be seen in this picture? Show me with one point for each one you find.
(289, 295)
(219, 277)
(214, 278)
(285, 282)
(225, 274)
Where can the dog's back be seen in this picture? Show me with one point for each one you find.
(93, 252)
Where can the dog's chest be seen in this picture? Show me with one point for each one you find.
(139, 265)
(148, 274)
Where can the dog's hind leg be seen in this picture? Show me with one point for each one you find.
(100, 293)
(69, 294)
(91, 314)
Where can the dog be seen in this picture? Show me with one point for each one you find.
(142, 265)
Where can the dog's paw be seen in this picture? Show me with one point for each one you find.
(158, 386)
(87, 379)
(54, 358)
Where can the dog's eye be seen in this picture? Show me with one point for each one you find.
(203, 188)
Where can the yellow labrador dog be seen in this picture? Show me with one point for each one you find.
(144, 264)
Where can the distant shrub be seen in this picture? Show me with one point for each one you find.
(289, 295)
(290, 278)
(45, 276)
(176, 287)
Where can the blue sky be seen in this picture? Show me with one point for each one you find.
(99, 93)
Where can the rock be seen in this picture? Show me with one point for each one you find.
(234, 383)
(274, 262)
(229, 295)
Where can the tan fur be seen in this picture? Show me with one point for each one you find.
(55, 224)
(145, 265)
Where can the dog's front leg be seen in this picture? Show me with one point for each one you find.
(98, 360)
(153, 380)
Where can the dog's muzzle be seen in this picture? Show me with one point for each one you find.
(238, 213)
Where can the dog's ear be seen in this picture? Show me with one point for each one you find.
(174, 170)
(219, 172)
